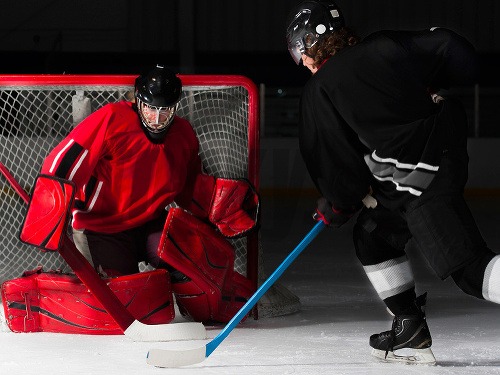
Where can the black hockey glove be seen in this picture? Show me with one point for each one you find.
(331, 216)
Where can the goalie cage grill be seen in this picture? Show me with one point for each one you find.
(37, 111)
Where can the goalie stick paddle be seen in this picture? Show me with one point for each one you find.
(178, 358)
(131, 327)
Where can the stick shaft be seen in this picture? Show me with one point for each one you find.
(212, 345)
(15, 185)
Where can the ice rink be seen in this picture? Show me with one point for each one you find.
(328, 336)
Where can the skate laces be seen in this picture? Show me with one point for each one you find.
(392, 336)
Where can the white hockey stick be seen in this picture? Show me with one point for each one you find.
(131, 327)
(178, 358)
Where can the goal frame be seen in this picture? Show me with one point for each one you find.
(253, 130)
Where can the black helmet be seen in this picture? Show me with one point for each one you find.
(157, 95)
(308, 22)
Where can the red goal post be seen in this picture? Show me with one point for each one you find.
(37, 111)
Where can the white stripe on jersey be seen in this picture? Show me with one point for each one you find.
(77, 166)
(56, 159)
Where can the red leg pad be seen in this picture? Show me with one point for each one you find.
(212, 290)
(192, 301)
(55, 302)
(234, 299)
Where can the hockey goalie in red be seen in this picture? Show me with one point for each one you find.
(127, 162)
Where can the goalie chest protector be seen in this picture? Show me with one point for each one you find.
(55, 302)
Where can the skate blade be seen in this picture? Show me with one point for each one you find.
(419, 357)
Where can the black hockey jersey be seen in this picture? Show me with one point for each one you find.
(367, 117)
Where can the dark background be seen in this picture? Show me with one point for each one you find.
(209, 36)
(226, 37)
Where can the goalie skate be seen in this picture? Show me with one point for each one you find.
(409, 334)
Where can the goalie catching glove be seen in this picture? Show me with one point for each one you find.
(232, 205)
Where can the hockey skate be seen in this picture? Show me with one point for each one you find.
(409, 333)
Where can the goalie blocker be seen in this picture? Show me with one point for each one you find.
(48, 212)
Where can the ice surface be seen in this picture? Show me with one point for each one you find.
(328, 336)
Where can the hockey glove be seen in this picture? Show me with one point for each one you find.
(331, 216)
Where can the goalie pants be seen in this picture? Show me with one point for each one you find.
(120, 253)
(440, 225)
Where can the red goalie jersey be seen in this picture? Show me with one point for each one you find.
(124, 180)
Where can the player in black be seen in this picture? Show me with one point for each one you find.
(373, 119)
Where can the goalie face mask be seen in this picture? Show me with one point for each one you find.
(157, 95)
(308, 23)
(156, 120)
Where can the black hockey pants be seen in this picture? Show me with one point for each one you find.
(439, 222)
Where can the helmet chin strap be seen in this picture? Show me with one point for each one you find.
(157, 137)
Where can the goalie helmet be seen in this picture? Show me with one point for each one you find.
(308, 23)
(157, 95)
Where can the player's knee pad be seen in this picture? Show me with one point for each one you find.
(361, 240)
(374, 246)
(369, 249)
(211, 290)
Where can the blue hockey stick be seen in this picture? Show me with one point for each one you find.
(178, 358)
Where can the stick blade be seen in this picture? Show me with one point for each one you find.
(176, 358)
(138, 331)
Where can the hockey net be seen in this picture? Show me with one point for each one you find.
(38, 111)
